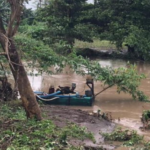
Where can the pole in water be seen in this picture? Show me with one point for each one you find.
(90, 84)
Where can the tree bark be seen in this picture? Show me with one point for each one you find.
(24, 87)
(6, 40)
(27, 96)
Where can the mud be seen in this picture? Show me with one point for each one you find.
(61, 115)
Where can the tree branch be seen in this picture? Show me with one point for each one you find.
(3, 53)
(12, 18)
(16, 8)
(107, 87)
(18, 18)
(104, 89)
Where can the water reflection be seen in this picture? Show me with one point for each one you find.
(112, 63)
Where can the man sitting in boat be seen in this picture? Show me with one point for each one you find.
(51, 90)
(67, 89)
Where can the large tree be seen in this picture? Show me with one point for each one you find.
(126, 21)
(64, 22)
(7, 32)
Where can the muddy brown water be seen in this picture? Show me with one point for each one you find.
(125, 111)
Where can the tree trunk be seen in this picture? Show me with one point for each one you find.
(27, 96)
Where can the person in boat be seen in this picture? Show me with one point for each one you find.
(67, 89)
(51, 89)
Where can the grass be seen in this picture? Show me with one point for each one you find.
(17, 133)
(95, 44)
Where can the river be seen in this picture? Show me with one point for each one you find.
(125, 111)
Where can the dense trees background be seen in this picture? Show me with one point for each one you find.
(127, 22)
(118, 21)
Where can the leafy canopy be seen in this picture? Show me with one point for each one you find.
(64, 22)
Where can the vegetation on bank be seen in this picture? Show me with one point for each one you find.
(130, 138)
(17, 133)
(102, 45)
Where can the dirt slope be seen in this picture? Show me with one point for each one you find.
(61, 115)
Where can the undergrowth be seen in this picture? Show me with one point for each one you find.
(18, 133)
(129, 138)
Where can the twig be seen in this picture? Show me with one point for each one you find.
(7, 140)
(107, 87)
(16, 63)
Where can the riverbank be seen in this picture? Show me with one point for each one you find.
(61, 128)
(61, 115)
(99, 48)
(107, 134)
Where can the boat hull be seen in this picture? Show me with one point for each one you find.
(60, 99)
(80, 101)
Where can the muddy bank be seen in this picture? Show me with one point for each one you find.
(61, 115)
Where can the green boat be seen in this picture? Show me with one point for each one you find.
(67, 96)
(65, 99)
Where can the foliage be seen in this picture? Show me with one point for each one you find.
(17, 133)
(139, 40)
(36, 30)
(38, 55)
(42, 56)
(146, 116)
(146, 146)
(116, 21)
(27, 17)
(126, 79)
(123, 21)
(4, 11)
(64, 22)
(130, 137)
